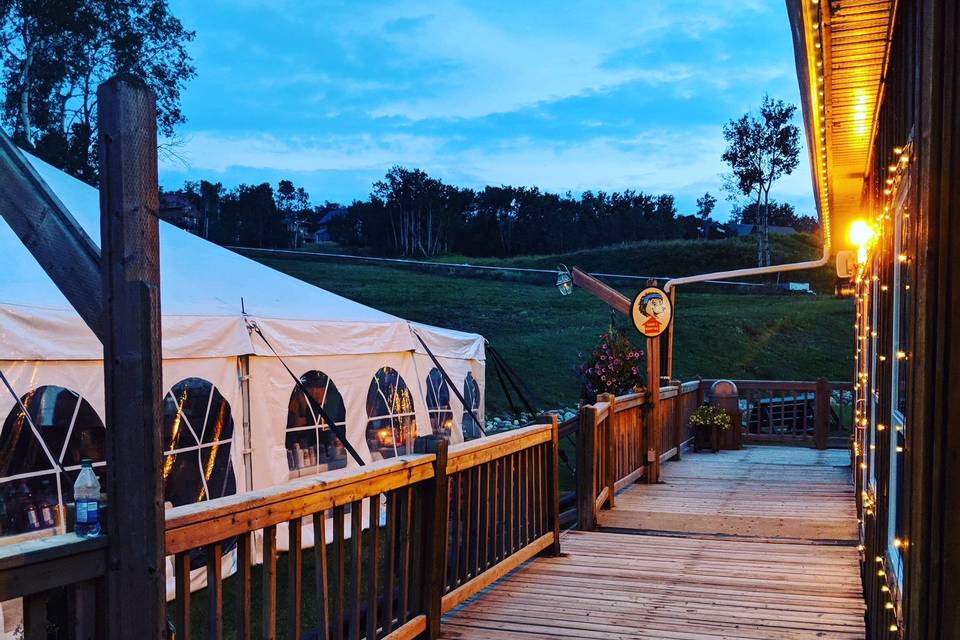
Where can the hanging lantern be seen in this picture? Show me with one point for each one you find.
(564, 280)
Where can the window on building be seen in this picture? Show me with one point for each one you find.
(40, 454)
(391, 424)
(471, 395)
(438, 404)
(312, 445)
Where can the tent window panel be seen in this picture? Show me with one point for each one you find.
(198, 432)
(58, 429)
(471, 394)
(438, 404)
(391, 424)
(219, 424)
(312, 446)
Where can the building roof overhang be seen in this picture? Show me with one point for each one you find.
(841, 52)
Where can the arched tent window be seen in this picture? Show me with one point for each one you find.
(391, 424)
(438, 404)
(40, 454)
(312, 446)
(471, 395)
(197, 434)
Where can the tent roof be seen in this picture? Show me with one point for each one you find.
(201, 288)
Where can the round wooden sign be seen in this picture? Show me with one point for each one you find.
(652, 311)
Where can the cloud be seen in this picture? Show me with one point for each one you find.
(219, 152)
(657, 160)
(474, 65)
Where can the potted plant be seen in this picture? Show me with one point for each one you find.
(708, 422)
(614, 366)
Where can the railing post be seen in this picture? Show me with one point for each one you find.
(821, 423)
(610, 460)
(586, 459)
(553, 484)
(435, 517)
(130, 264)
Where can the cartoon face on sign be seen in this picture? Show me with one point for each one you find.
(652, 312)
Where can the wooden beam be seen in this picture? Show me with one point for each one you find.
(605, 292)
(136, 589)
(51, 234)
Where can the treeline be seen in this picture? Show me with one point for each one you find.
(410, 214)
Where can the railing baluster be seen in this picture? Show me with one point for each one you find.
(35, 616)
(269, 621)
(487, 499)
(320, 570)
(294, 579)
(244, 630)
(477, 524)
(373, 567)
(214, 591)
(528, 495)
(406, 531)
(463, 551)
(391, 561)
(181, 570)
(356, 564)
(336, 619)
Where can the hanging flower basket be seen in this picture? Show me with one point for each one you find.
(614, 366)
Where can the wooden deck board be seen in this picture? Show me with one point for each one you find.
(784, 565)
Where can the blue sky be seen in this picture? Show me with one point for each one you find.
(563, 95)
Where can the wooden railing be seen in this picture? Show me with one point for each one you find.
(623, 439)
(60, 579)
(403, 540)
(394, 545)
(818, 413)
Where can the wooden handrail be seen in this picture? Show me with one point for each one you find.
(470, 454)
(55, 561)
(194, 525)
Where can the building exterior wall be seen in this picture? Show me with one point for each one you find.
(908, 335)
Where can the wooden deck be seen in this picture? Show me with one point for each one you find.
(757, 543)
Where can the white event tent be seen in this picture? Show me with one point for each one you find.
(234, 419)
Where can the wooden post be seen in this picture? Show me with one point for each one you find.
(610, 460)
(434, 531)
(822, 418)
(553, 484)
(586, 459)
(130, 266)
(655, 427)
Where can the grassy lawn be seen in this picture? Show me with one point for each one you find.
(542, 334)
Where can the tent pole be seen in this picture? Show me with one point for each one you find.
(247, 430)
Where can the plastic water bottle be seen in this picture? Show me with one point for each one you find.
(86, 494)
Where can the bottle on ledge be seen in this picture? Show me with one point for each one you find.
(86, 494)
